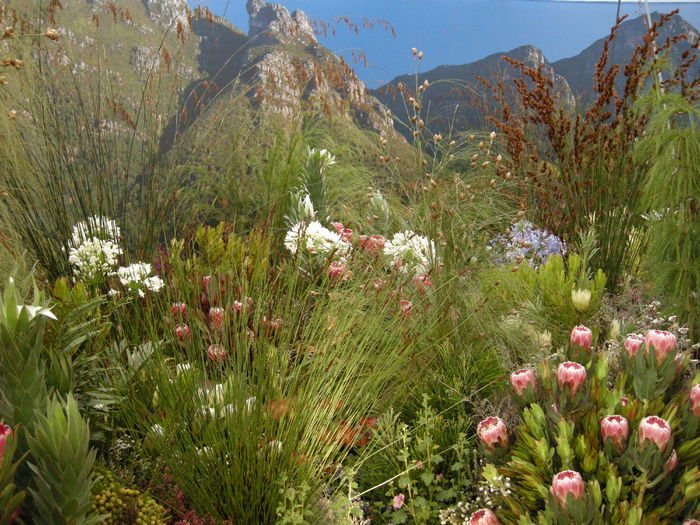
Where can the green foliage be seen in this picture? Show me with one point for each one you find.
(670, 149)
(10, 497)
(61, 463)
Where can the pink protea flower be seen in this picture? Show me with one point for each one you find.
(398, 501)
(205, 281)
(238, 306)
(521, 379)
(5, 431)
(616, 428)
(484, 517)
(565, 483)
(624, 401)
(336, 270)
(691, 522)
(572, 374)
(671, 462)
(182, 331)
(179, 311)
(493, 431)
(656, 430)
(216, 317)
(373, 245)
(345, 233)
(632, 344)
(661, 341)
(216, 353)
(582, 337)
(694, 396)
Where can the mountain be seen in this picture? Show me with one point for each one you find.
(579, 69)
(456, 99)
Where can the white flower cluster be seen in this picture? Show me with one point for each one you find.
(138, 276)
(94, 248)
(315, 238)
(322, 157)
(411, 253)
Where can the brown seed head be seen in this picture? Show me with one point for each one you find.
(52, 34)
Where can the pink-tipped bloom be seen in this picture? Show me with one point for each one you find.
(336, 270)
(179, 311)
(694, 396)
(493, 431)
(216, 317)
(484, 517)
(397, 502)
(422, 282)
(345, 233)
(373, 245)
(582, 337)
(239, 306)
(662, 342)
(616, 428)
(205, 281)
(5, 431)
(565, 483)
(624, 401)
(216, 353)
(656, 430)
(671, 462)
(406, 307)
(572, 374)
(183, 333)
(691, 522)
(632, 344)
(521, 379)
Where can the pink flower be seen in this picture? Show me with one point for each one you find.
(691, 522)
(183, 332)
(272, 325)
(336, 270)
(572, 374)
(422, 282)
(581, 337)
(205, 281)
(179, 311)
(238, 306)
(656, 430)
(671, 462)
(632, 344)
(397, 503)
(661, 341)
(406, 307)
(616, 428)
(493, 431)
(484, 517)
(345, 233)
(694, 396)
(5, 431)
(373, 245)
(216, 317)
(216, 353)
(521, 379)
(555, 409)
(624, 401)
(565, 483)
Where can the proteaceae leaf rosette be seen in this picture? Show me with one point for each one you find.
(580, 344)
(524, 384)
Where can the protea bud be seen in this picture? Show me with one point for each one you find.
(493, 431)
(565, 483)
(183, 332)
(179, 311)
(582, 337)
(691, 522)
(632, 344)
(216, 353)
(205, 281)
(581, 299)
(5, 431)
(484, 517)
(572, 374)
(616, 428)
(656, 430)
(661, 341)
(694, 396)
(671, 462)
(216, 317)
(521, 379)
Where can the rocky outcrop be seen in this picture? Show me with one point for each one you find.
(166, 13)
(272, 24)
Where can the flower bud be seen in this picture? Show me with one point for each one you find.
(182, 331)
(565, 483)
(493, 431)
(521, 379)
(581, 337)
(614, 329)
(179, 311)
(694, 396)
(661, 341)
(484, 517)
(671, 462)
(616, 428)
(5, 431)
(216, 353)
(572, 374)
(216, 316)
(656, 430)
(632, 344)
(581, 299)
(691, 522)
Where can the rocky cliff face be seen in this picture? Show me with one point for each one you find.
(272, 24)
(166, 13)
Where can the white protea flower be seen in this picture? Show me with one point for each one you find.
(314, 238)
(411, 253)
(94, 259)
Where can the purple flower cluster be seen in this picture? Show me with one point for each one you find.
(526, 242)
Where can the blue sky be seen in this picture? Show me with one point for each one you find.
(457, 31)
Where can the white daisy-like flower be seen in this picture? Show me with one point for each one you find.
(411, 253)
(94, 259)
(154, 284)
(97, 226)
(314, 238)
(134, 273)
